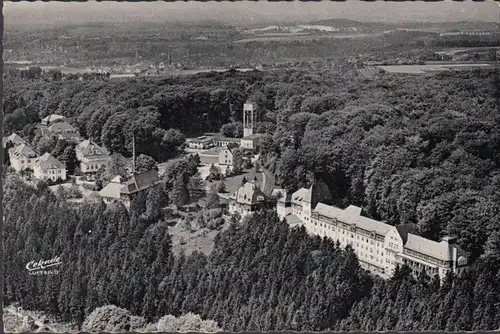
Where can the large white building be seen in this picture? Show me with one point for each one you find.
(22, 157)
(47, 167)
(91, 156)
(380, 247)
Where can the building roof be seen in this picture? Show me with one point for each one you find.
(201, 141)
(249, 193)
(317, 193)
(112, 189)
(328, 211)
(251, 102)
(14, 138)
(300, 195)
(62, 127)
(293, 220)
(52, 118)
(438, 250)
(89, 148)
(140, 182)
(352, 216)
(23, 150)
(47, 161)
(117, 179)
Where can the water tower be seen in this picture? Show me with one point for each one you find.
(249, 118)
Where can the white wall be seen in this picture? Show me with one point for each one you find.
(52, 174)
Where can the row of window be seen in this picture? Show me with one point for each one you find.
(95, 166)
(338, 229)
(53, 172)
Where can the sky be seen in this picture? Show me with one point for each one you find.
(249, 12)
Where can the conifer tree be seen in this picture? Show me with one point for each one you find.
(179, 194)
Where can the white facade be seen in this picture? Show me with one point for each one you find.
(247, 144)
(91, 157)
(380, 247)
(22, 157)
(47, 167)
(225, 158)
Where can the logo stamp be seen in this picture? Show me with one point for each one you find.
(44, 267)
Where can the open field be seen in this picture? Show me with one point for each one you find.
(185, 241)
(454, 51)
(294, 37)
(421, 69)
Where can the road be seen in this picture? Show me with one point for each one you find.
(268, 181)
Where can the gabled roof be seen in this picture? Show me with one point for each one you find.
(248, 193)
(14, 138)
(300, 195)
(352, 216)
(140, 182)
(23, 150)
(47, 161)
(438, 250)
(116, 179)
(62, 126)
(52, 118)
(89, 148)
(318, 192)
(293, 220)
(112, 189)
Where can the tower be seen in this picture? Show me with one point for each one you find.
(133, 155)
(249, 118)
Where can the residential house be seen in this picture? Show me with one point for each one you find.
(226, 157)
(22, 157)
(63, 130)
(247, 199)
(51, 119)
(14, 138)
(111, 191)
(47, 167)
(380, 247)
(125, 192)
(137, 184)
(91, 156)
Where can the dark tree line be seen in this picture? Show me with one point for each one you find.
(261, 275)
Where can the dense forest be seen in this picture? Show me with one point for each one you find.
(422, 149)
(261, 275)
